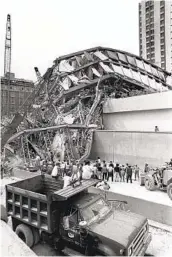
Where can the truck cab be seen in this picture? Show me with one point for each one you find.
(113, 232)
(41, 209)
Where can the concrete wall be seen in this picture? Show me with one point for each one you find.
(132, 147)
(139, 113)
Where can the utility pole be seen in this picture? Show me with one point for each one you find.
(7, 58)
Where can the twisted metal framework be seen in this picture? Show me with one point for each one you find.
(73, 90)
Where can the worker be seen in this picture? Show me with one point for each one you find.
(117, 172)
(129, 173)
(156, 129)
(146, 170)
(75, 171)
(110, 172)
(67, 179)
(87, 172)
(62, 167)
(136, 172)
(105, 172)
(103, 185)
(37, 161)
(55, 171)
(98, 160)
(123, 171)
(49, 167)
(99, 171)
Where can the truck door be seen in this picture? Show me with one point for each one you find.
(71, 226)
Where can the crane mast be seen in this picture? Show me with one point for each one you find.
(7, 55)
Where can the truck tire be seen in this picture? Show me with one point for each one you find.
(150, 183)
(3, 214)
(36, 235)
(169, 190)
(25, 233)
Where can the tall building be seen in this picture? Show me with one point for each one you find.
(155, 32)
(14, 95)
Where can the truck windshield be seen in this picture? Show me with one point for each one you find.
(95, 211)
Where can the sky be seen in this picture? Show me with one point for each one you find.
(43, 30)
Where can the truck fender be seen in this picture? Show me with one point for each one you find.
(169, 181)
(105, 249)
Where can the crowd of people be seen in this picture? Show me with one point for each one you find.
(99, 169)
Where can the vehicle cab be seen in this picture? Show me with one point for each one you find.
(109, 231)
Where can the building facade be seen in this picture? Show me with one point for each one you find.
(155, 32)
(14, 95)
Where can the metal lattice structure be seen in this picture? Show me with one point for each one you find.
(73, 91)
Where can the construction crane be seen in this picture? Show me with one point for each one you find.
(7, 57)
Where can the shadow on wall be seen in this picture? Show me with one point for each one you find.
(133, 147)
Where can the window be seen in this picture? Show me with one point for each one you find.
(162, 40)
(12, 100)
(161, 16)
(162, 29)
(161, 3)
(152, 43)
(12, 93)
(162, 9)
(152, 31)
(163, 53)
(162, 34)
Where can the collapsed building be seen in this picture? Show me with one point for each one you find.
(68, 101)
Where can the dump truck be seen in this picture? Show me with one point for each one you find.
(74, 220)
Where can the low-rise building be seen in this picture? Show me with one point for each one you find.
(14, 94)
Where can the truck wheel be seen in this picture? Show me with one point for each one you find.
(36, 235)
(25, 233)
(150, 183)
(169, 190)
(3, 214)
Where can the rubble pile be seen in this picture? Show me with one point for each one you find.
(69, 98)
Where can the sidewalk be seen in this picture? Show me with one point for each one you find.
(135, 190)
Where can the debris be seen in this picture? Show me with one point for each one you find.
(68, 101)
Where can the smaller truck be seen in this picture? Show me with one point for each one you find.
(41, 209)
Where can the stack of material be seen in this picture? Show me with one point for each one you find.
(72, 92)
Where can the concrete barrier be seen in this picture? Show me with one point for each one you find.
(132, 147)
(11, 244)
(153, 211)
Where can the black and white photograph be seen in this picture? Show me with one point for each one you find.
(86, 128)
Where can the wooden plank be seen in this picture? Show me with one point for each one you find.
(69, 191)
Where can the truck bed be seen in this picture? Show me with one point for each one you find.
(35, 200)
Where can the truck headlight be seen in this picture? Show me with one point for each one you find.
(130, 251)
